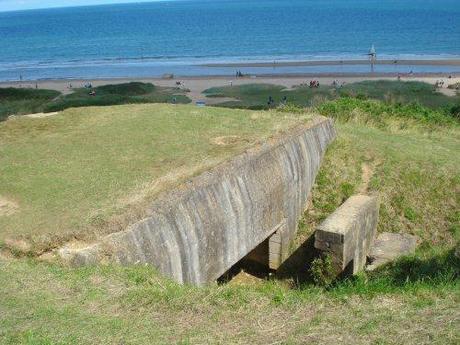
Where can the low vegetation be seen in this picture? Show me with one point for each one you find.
(14, 101)
(407, 153)
(381, 114)
(50, 304)
(117, 94)
(255, 96)
(24, 101)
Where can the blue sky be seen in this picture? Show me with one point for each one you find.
(14, 5)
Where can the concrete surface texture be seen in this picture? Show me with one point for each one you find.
(199, 230)
(348, 233)
(389, 246)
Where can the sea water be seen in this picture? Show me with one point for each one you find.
(150, 39)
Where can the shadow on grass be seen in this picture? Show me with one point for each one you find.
(441, 268)
(297, 267)
(430, 268)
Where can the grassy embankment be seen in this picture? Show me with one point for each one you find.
(89, 170)
(15, 101)
(411, 158)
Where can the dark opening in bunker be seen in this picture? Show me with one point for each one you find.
(255, 263)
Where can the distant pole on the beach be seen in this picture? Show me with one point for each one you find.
(372, 57)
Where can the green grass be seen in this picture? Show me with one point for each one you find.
(116, 94)
(15, 101)
(255, 96)
(415, 170)
(381, 114)
(400, 92)
(50, 304)
(24, 101)
(88, 170)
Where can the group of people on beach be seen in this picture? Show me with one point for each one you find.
(439, 84)
(239, 74)
(314, 83)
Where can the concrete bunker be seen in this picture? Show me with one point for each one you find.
(197, 231)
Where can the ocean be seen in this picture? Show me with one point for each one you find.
(151, 39)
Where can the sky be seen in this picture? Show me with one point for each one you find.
(16, 5)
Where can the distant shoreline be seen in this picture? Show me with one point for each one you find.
(431, 62)
(306, 69)
(197, 84)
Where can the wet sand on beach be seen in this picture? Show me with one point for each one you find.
(438, 62)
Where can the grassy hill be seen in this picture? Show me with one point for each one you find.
(405, 154)
(91, 170)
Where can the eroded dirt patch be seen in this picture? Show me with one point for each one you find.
(33, 116)
(227, 140)
(366, 175)
(7, 207)
(17, 246)
(40, 115)
(367, 172)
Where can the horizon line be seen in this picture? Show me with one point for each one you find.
(123, 2)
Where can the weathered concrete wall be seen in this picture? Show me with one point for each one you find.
(348, 233)
(196, 232)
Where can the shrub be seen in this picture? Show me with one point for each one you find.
(346, 109)
(126, 89)
(14, 94)
(323, 271)
(455, 111)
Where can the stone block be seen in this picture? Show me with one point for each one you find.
(389, 246)
(349, 232)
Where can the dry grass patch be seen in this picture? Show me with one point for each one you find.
(7, 207)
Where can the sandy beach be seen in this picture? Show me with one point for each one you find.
(197, 85)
